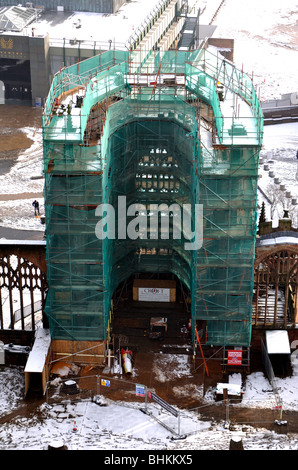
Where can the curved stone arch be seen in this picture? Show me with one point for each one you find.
(20, 279)
(265, 251)
(276, 286)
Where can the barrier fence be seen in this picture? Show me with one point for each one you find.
(97, 388)
(181, 423)
(271, 377)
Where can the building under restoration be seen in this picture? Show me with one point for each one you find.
(183, 129)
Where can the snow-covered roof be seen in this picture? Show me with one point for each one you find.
(16, 18)
(37, 356)
(87, 26)
(280, 240)
(4, 241)
(277, 342)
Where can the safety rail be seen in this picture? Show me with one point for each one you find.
(203, 72)
(96, 46)
(225, 73)
(79, 75)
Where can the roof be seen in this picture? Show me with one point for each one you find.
(16, 18)
(6, 242)
(37, 357)
(277, 342)
(81, 27)
(278, 238)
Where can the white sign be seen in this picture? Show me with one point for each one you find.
(105, 383)
(140, 390)
(154, 294)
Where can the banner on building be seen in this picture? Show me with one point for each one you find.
(154, 294)
(234, 357)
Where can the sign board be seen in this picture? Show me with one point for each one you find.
(140, 390)
(154, 294)
(105, 383)
(163, 403)
(234, 357)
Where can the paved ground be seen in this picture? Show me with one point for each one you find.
(13, 141)
(12, 234)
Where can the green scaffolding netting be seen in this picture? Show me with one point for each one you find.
(152, 147)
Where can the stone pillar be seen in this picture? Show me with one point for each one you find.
(40, 68)
(236, 443)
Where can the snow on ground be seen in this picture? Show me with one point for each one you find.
(19, 214)
(169, 362)
(29, 164)
(280, 145)
(25, 176)
(90, 27)
(106, 425)
(266, 46)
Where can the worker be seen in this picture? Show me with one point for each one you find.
(183, 332)
(35, 204)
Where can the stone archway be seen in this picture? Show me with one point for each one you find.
(275, 301)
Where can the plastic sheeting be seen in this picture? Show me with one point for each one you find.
(151, 148)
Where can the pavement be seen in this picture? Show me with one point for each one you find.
(13, 234)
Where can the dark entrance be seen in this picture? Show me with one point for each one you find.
(17, 79)
(147, 325)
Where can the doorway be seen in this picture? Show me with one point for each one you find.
(150, 310)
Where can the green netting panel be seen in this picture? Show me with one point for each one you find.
(149, 161)
(234, 333)
(75, 273)
(73, 189)
(224, 265)
(79, 74)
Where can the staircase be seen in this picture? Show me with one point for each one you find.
(188, 33)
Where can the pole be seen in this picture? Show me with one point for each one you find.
(199, 343)
(146, 398)
(226, 401)
(98, 385)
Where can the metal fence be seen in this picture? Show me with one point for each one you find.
(181, 423)
(271, 377)
(100, 389)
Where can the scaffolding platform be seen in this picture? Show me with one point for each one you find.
(169, 127)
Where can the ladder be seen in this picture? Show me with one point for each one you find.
(200, 346)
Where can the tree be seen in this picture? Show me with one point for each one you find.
(278, 200)
(263, 214)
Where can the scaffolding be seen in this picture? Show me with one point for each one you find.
(174, 128)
